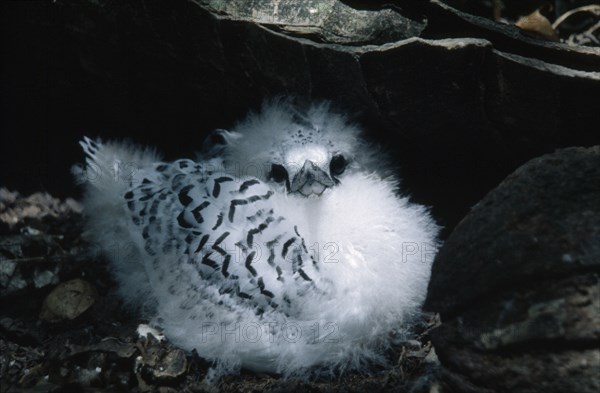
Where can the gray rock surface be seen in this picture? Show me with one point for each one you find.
(460, 100)
(517, 283)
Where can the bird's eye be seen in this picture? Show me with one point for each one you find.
(279, 173)
(337, 166)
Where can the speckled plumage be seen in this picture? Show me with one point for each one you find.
(283, 247)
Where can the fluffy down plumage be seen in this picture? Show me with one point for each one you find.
(284, 247)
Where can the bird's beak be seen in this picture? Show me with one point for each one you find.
(311, 180)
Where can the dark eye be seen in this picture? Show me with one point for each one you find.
(337, 166)
(279, 173)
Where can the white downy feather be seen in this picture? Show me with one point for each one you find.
(233, 264)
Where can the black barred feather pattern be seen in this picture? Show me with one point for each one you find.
(286, 249)
(242, 251)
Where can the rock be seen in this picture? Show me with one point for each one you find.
(517, 283)
(68, 301)
(170, 366)
(28, 262)
(330, 21)
(22, 331)
(14, 209)
(460, 100)
(158, 362)
(17, 363)
(109, 344)
(40, 247)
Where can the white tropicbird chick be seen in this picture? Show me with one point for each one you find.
(285, 246)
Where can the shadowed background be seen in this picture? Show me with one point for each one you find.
(457, 117)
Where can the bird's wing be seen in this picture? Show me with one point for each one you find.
(225, 231)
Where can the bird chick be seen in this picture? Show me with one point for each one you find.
(285, 247)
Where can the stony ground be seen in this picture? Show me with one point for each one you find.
(62, 328)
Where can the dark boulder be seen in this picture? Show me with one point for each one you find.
(517, 282)
(460, 101)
